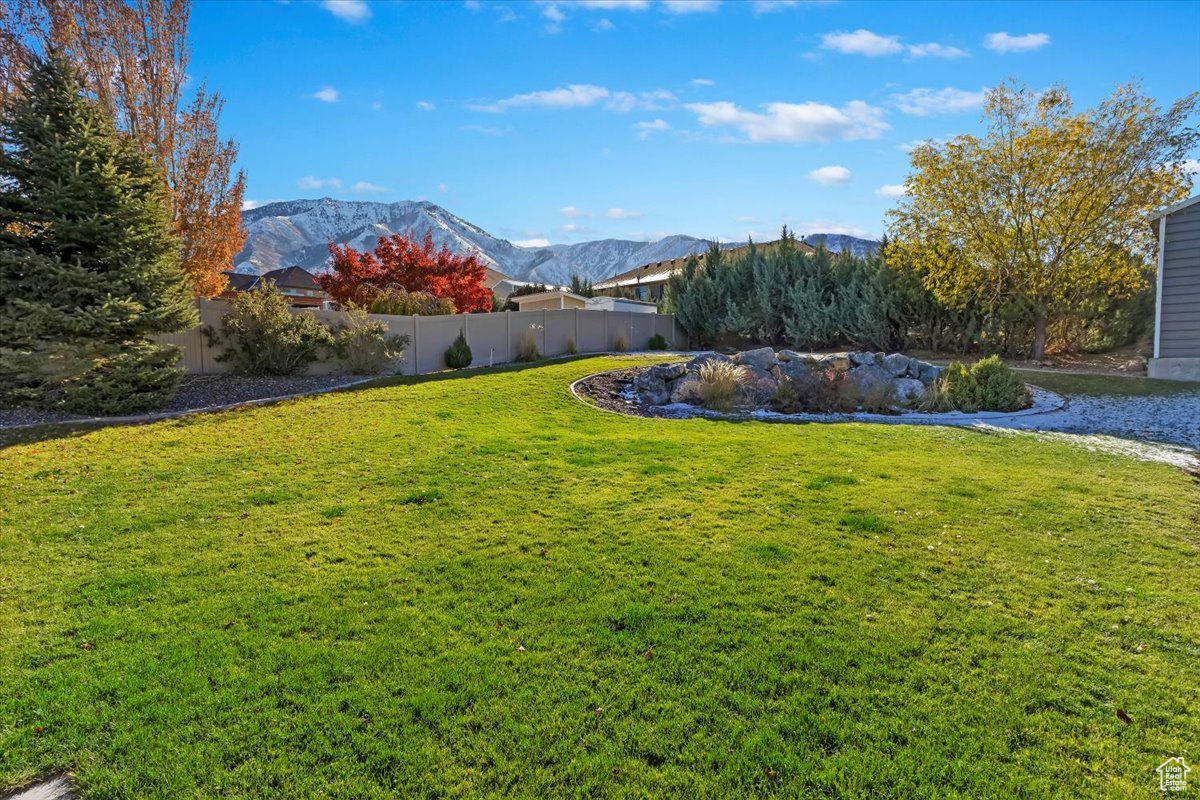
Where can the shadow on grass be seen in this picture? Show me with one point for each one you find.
(63, 430)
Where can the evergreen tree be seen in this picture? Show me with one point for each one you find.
(89, 265)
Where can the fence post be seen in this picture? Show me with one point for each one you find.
(508, 337)
(416, 344)
(466, 328)
(544, 322)
(577, 330)
(605, 348)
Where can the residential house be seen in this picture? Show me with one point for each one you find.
(295, 283)
(555, 299)
(1177, 310)
(648, 281)
(621, 304)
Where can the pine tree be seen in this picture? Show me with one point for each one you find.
(89, 265)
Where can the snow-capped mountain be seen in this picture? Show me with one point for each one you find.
(837, 242)
(298, 233)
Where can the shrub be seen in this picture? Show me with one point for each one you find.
(364, 346)
(527, 346)
(719, 382)
(458, 355)
(880, 399)
(621, 343)
(657, 342)
(989, 385)
(572, 348)
(112, 379)
(263, 337)
(817, 392)
(399, 301)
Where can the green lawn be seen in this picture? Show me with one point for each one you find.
(330, 597)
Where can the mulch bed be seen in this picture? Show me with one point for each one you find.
(197, 392)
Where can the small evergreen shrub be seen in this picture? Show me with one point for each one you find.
(111, 379)
(527, 345)
(458, 355)
(364, 346)
(621, 343)
(657, 342)
(262, 337)
(989, 385)
(719, 384)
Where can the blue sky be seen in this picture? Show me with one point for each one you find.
(570, 121)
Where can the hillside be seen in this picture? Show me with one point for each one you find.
(298, 232)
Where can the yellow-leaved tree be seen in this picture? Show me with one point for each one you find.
(1047, 206)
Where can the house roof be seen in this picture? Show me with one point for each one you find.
(546, 296)
(606, 299)
(287, 277)
(494, 276)
(659, 271)
(1169, 210)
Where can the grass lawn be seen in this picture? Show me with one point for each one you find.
(469, 586)
(1092, 384)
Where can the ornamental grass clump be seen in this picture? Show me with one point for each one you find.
(719, 384)
(527, 346)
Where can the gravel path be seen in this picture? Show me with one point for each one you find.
(199, 392)
(1174, 419)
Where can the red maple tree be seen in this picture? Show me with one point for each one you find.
(401, 262)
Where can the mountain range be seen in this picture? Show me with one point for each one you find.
(298, 233)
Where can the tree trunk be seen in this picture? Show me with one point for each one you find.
(1039, 338)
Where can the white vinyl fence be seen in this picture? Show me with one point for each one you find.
(493, 337)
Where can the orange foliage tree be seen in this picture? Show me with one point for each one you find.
(133, 57)
(402, 262)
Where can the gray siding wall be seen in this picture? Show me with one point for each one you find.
(1179, 336)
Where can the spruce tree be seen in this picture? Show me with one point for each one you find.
(89, 266)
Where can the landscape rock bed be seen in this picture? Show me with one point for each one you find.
(762, 370)
(198, 392)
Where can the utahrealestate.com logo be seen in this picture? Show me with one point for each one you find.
(1172, 775)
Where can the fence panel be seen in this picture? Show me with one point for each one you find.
(493, 338)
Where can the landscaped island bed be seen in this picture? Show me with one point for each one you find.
(467, 585)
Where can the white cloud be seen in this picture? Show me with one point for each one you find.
(556, 18)
(583, 95)
(702, 82)
(1006, 43)
(443, 188)
(366, 187)
(571, 212)
(745, 220)
(929, 102)
(807, 227)
(472, 5)
(935, 50)
(646, 128)
(769, 6)
(892, 190)
(249, 204)
(615, 5)
(622, 213)
(310, 182)
(796, 122)
(348, 10)
(862, 42)
(538, 242)
(830, 176)
(326, 94)
(690, 6)
(1192, 166)
(425, 105)
(908, 147)
(603, 25)
(579, 95)
(572, 227)
(377, 106)
(623, 102)
(486, 130)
